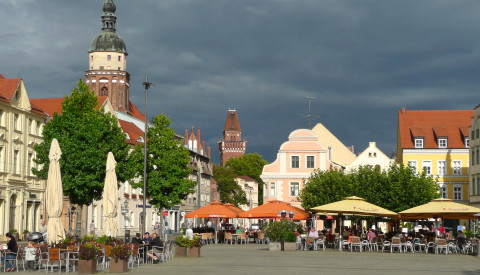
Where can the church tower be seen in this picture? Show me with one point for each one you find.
(231, 145)
(108, 74)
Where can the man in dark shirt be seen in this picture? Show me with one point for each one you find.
(157, 244)
(146, 238)
(137, 238)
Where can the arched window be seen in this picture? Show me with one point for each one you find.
(104, 91)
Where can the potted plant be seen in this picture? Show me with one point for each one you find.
(290, 241)
(87, 259)
(187, 247)
(276, 231)
(15, 234)
(127, 195)
(119, 254)
(134, 196)
(25, 234)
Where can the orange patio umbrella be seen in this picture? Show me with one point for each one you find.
(273, 209)
(215, 210)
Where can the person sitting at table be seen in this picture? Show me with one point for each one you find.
(346, 233)
(350, 237)
(371, 235)
(330, 237)
(313, 233)
(448, 236)
(238, 231)
(297, 233)
(137, 238)
(11, 247)
(461, 240)
(146, 238)
(157, 243)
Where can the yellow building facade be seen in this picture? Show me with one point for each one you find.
(437, 142)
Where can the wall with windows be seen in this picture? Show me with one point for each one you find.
(296, 160)
(21, 126)
(474, 153)
(371, 156)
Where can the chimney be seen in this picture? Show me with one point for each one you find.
(209, 151)
(199, 143)
(329, 153)
(186, 136)
(403, 110)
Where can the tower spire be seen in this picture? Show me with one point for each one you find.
(108, 18)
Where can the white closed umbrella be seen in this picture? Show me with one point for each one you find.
(54, 195)
(110, 197)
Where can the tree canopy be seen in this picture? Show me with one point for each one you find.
(167, 165)
(230, 191)
(86, 134)
(396, 189)
(249, 165)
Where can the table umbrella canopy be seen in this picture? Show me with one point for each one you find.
(110, 197)
(215, 210)
(234, 208)
(273, 209)
(355, 206)
(443, 208)
(54, 195)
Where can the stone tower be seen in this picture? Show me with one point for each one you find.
(231, 145)
(107, 74)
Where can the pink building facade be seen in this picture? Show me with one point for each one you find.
(296, 161)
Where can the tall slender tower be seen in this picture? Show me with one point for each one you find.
(231, 145)
(108, 74)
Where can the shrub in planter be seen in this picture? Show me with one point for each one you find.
(290, 242)
(87, 263)
(187, 247)
(119, 254)
(277, 231)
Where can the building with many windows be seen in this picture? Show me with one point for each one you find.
(437, 142)
(297, 159)
(474, 152)
(22, 195)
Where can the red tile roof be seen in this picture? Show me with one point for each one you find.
(231, 123)
(132, 130)
(8, 87)
(54, 105)
(431, 125)
(246, 178)
(135, 112)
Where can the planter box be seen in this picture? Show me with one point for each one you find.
(87, 267)
(118, 267)
(289, 246)
(274, 246)
(193, 252)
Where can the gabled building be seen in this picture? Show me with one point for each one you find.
(250, 187)
(231, 145)
(22, 195)
(437, 142)
(297, 159)
(338, 153)
(474, 153)
(371, 156)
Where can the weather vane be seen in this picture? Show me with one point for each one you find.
(309, 116)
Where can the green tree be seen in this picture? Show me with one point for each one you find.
(230, 191)
(86, 134)
(167, 165)
(249, 165)
(396, 189)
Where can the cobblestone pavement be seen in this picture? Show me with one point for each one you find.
(256, 259)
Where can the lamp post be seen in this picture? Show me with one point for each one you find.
(147, 86)
(125, 214)
(291, 215)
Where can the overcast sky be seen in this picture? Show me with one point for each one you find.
(361, 60)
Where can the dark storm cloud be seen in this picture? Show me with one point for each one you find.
(362, 60)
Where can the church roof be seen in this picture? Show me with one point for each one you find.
(108, 40)
(231, 123)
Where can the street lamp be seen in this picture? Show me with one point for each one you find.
(147, 86)
(291, 215)
(125, 214)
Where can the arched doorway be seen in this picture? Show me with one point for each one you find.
(13, 202)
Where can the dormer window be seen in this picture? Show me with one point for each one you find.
(140, 139)
(442, 143)
(127, 136)
(467, 143)
(419, 143)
